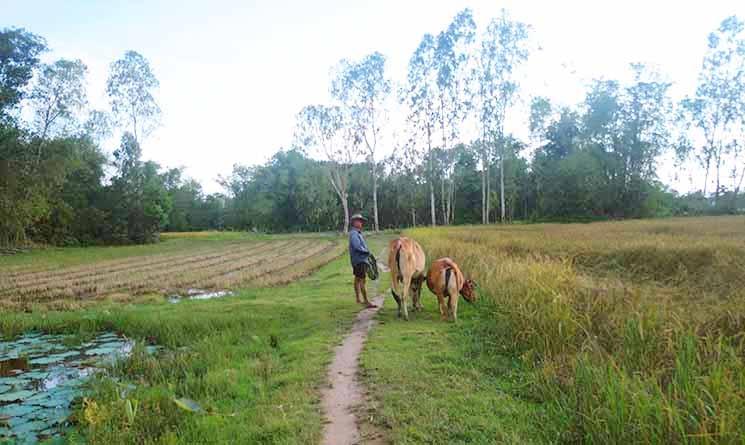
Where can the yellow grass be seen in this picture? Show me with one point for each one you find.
(635, 330)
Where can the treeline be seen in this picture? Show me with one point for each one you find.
(56, 184)
(450, 160)
(598, 159)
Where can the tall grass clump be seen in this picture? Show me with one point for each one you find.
(633, 331)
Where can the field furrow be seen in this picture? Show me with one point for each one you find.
(216, 267)
(88, 280)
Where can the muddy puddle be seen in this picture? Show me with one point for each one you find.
(40, 376)
(199, 294)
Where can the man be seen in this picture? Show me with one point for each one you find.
(358, 253)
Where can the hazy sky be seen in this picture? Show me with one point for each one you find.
(233, 74)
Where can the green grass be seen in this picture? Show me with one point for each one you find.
(432, 385)
(254, 362)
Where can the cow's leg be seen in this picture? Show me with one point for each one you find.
(453, 305)
(407, 288)
(415, 304)
(420, 285)
(398, 301)
(394, 285)
(441, 303)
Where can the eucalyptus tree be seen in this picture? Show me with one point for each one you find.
(420, 94)
(645, 112)
(362, 87)
(59, 93)
(503, 48)
(19, 56)
(451, 58)
(716, 113)
(325, 131)
(130, 87)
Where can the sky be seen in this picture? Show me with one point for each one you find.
(233, 74)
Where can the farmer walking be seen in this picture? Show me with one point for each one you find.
(359, 254)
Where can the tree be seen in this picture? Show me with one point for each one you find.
(19, 56)
(451, 59)
(325, 131)
(420, 95)
(130, 88)
(503, 48)
(140, 197)
(58, 94)
(717, 111)
(363, 89)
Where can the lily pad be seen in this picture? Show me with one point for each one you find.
(188, 405)
(55, 358)
(103, 350)
(18, 410)
(16, 396)
(27, 427)
(14, 381)
(153, 349)
(36, 375)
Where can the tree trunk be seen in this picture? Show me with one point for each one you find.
(443, 199)
(432, 202)
(501, 184)
(488, 193)
(345, 205)
(719, 165)
(413, 217)
(375, 197)
(430, 179)
(452, 201)
(706, 174)
(483, 194)
(736, 190)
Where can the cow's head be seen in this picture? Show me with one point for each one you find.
(469, 291)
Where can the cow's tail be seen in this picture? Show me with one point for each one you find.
(397, 277)
(448, 273)
(398, 263)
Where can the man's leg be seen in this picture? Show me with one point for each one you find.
(357, 290)
(363, 289)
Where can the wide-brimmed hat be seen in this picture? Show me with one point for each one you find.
(358, 216)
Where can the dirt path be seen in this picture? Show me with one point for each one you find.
(345, 392)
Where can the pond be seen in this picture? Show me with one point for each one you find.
(199, 294)
(40, 376)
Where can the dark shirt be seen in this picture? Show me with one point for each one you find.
(358, 251)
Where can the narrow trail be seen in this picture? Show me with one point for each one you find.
(345, 392)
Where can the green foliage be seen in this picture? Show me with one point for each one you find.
(130, 88)
(19, 55)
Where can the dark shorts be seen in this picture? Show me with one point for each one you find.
(360, 270)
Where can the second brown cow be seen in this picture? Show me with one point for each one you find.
(446, 280)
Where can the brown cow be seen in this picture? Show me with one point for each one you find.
(406, 260)
(445, 279)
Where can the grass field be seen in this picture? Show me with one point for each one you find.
(619, 332)
(71, 278)
(254, 362)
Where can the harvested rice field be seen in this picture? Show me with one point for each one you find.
(182, 264)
